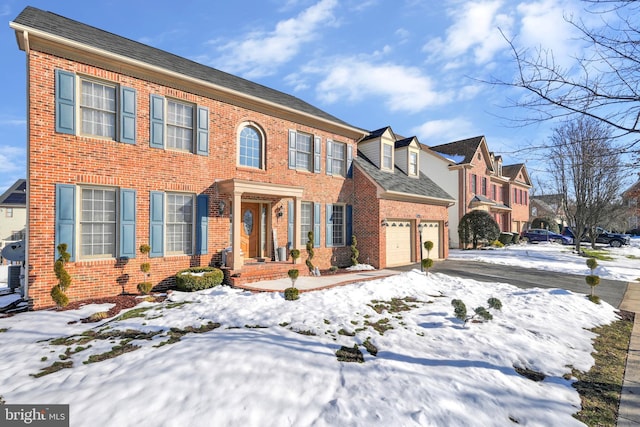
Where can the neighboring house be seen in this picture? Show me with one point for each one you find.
(483, 183)
(13, 213)
(548, 206)
(398, 207)
(631, 199)
(130, 145)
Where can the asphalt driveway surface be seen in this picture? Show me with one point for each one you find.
(611, 291)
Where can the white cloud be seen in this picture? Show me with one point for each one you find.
(436, 132)
(474, 30)
(543, 25)
(5, 9)
(261, 53)
(12, 122)
(404, 88)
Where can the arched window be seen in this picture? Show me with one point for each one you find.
(250, 147)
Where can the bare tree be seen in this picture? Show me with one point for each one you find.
(603, 84)
(587, 173)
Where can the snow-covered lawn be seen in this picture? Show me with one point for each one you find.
(272, 362)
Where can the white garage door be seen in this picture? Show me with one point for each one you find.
(431, 231)
(398, 242)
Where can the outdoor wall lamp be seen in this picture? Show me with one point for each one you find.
(221, 206)
(279, 211)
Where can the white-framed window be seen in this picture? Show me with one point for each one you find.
(179, 223)
(9, 213)
(338, 224)
(387, 156)
(306, 224)
(180, 124)
(473, 180)
(304, 151)
(250, 147)
(338, 158)
(413, 163)
(98, 222)
(98, 107)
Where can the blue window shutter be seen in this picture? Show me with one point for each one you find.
(317, 151)
(329, 157)
(65, 102)
(292, 149)
(127, 115)
(349, 221)
(202, 224)
(203, 131)
(156, 224)
(316, 225)
(349, 161)
(127, 223)
(66, 218)
(329, 225)
(156, 129)
(290, 223)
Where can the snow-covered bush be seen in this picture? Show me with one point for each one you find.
(198, 278)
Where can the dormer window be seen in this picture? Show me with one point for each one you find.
(413, 163)
(387, 157)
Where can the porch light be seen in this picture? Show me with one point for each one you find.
(221, 206)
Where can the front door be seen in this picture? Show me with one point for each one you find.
(250, 238)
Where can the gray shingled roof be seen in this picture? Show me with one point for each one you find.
(16, 195)
(400, 182)
(375, 134)
(511, 171)
(82, 33)
(464, 147)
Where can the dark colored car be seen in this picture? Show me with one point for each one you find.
(633, 232)
(604, 237)
(539, 235)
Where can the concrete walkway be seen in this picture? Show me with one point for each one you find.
(312, 283)
(629, 411)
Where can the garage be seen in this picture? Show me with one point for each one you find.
(431, 231)
(398, 246)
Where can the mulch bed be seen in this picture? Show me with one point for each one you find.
(121, 302)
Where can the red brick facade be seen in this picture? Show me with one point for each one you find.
(56, 158)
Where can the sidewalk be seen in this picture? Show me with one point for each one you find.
(629, 411)
(313, 283)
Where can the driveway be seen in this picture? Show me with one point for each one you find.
(611, 291)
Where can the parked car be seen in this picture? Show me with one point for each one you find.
(539, 235)
(633, 232)
(604, 237)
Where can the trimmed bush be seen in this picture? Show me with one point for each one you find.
(64, 278)
(198, 278)
(291, 294)
(516, 238)
(295, 254)
(355, 253)
(505, 238)
(460, 309)
(427, 263)
(310, 252)
(494, 303)
(293, 275)
(476, 227)
(145, 287)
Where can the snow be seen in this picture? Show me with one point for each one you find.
(257, 370)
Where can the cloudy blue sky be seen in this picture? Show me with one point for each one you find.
(415, 65)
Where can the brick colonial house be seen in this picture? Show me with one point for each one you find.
(631, 198)
(130, 145)
(482, 183)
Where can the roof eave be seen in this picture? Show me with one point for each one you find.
(19, 28)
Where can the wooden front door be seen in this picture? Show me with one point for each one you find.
(250, 234)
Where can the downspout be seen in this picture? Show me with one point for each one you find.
(27, 268)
